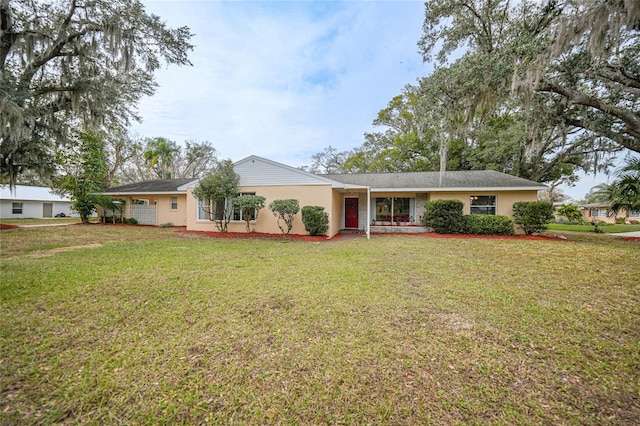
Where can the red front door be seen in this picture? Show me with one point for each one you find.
(351, 213)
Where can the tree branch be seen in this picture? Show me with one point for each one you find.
(629, 118)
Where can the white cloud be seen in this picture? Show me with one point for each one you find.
(283, 79)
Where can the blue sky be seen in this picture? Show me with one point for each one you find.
(285, 79)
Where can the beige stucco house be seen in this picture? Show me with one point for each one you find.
(600, 212)
(369, 202)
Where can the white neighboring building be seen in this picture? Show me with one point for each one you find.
(32, 202)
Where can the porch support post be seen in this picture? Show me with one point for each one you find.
(368, 213)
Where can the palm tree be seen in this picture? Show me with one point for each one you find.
(159, 156)
(625, 191)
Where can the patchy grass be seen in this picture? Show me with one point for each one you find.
(154, 326)
(608, 228)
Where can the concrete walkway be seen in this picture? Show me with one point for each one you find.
(635, 234)
(40, 225)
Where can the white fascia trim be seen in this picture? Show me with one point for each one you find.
(484, 189)
(143, 193)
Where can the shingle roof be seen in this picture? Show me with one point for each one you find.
(472, 179)
(149, 186)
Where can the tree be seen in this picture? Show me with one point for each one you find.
(570, 211)
(286, 211)
(217, 190)
(532, 216)
(159, 157)
(85, 169)
(315, 219)
(74, 64)
(193, 160)
(250, 205)
(579, 58)
(328, 161)
(625, 191)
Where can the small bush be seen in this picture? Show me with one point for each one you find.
(483, 224)
(315, 220)
(532, 216)
(621, 220)
(130, 220)
(444, 216)
(165, 225)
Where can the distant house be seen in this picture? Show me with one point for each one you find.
(602, 213)
(369, 202)
(32, 202)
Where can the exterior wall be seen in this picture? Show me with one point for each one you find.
(336, 217)
(34, 209)
(307, 195)
(504, 199)
(421, 200)
(164, 214)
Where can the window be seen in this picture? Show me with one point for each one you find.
(634, 213)
(174, 203)
(214, 210)
(599, 213)
(397, 209)
(16, 208)
(401, 210)
(483, 204)
(238, 214)
(383, 209)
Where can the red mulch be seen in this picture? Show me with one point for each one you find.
(4, 226)
(259, 235)
(630, 238)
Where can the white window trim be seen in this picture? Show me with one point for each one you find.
(495, 205)
(13, 207)
(171, 204)
(241, 212)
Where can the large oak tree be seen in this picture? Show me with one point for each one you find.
(75, 64)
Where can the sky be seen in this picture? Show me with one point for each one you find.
(285, 79)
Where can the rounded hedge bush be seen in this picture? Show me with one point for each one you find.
(484, 224)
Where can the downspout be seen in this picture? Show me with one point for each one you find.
(368, 212)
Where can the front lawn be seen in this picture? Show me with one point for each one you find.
(122, 324)
(587, 227)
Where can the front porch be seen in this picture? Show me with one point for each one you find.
(404, 229)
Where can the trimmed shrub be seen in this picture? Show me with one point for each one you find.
(621, 220)
(285, 210)
(444, 216)
(484, 224)
(315, 219)
(532, 216)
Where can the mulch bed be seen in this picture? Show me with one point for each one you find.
(5, 226)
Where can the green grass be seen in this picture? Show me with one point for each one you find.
(608, 228)
(152, 326)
